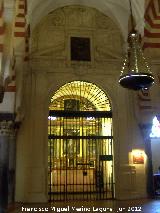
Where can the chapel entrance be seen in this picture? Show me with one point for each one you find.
(80, 144)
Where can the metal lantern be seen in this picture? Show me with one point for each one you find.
(135, 73)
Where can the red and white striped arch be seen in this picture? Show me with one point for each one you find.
(20, 19)
(20, 35)
(152, 25)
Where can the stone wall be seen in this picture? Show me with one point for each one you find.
(49, 68)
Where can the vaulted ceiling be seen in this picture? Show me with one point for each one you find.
(117, 10)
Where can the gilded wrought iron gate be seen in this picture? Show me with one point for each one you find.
(80, 155)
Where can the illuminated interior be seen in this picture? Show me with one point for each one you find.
(155, 132)
(89, 95)
(80, 140)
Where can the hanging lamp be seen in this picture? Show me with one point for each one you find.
(135, 73)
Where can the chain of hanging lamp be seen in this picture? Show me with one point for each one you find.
(135, 72)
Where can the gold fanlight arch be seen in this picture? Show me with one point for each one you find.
(90, 97)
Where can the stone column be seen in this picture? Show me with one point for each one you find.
(12, 166)
(146, 129)
(5, 130)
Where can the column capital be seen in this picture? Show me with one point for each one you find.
(6, 127)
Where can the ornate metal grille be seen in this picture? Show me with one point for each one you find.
(80, 160)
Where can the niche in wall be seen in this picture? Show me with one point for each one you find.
(80, 49)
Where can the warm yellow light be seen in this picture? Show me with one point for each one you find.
(138, 156)
(106, 126)
(85, 92)
(137, 153)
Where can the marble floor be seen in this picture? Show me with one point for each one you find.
(145, 206)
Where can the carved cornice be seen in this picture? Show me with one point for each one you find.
(7, 116)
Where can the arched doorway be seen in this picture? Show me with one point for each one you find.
(80, 144)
